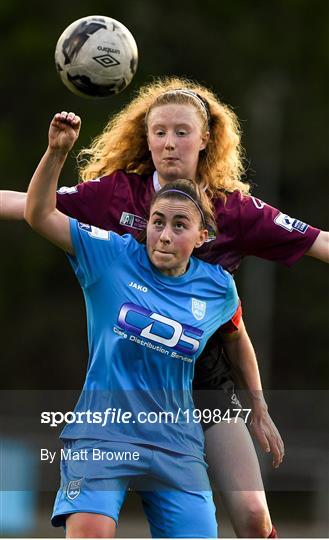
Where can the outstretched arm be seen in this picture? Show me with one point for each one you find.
(320, 247)
(12, 204)
(40, 211)
(241, 354)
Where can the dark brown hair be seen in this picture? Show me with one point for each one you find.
(188, 190)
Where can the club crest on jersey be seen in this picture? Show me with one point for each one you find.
(74, 489)
(198, 309)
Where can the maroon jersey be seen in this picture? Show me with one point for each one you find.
(246, 226)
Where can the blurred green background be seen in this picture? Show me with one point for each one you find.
(269, 61)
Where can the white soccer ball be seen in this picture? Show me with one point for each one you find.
(96, 57)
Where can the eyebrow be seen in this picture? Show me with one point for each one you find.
(176, 216)
(176, 124)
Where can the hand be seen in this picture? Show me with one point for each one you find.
(266, 433)
(63, 131)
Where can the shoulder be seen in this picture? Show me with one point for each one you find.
(92, 233)
(235, 201)
(125, 177)
(213, 272)
(115, 178)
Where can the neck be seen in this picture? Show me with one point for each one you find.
(163, 181)
(175, 272)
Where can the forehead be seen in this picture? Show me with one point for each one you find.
(172, 207)
(174, 113)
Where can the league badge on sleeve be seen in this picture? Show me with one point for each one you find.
(290, 224)
(198, 309)
(94, 232)
(67, 190)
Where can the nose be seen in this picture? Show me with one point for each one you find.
(169, 142)
(165, 235)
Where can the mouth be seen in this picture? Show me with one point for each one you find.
(162, 252)
(170, 159)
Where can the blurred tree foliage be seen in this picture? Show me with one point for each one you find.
(237, 48)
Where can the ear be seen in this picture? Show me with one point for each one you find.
(202, 238)
(204, 140)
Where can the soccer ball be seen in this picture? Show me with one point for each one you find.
(96, 57)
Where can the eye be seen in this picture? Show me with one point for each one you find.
(181, 132)
(157, 222)
(180, 225)
(159, 132)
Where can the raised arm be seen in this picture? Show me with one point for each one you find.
(241, 354)
(40, 210)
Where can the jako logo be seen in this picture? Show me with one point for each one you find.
(174, 331)
(138, 287)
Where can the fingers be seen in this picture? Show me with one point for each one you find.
(276, 444)
(68, 118)
(259, 433)
(270, 440)
(276, 452)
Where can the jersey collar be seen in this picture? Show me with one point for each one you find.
(156, 183)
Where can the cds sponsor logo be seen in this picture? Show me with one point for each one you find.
(160, 329)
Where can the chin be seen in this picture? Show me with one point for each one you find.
(171, 175)
(160, 265)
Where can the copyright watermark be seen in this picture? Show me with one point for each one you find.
(119, 416)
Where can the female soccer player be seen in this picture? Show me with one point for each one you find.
(175, 128)
(150, 311)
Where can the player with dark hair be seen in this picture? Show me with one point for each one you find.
(176, 128)
(143, 342)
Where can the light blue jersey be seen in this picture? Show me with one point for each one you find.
(145, 331)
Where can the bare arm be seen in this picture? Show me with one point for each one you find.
(241, 354)
(12, 204)
(40, 210)
(320, 248)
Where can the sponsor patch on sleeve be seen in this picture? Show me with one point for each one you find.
(290, 224)
(94, 232)
(65, 189)
(133, 221)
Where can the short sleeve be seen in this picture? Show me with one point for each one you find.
(95, 250)
(231, 326)
(268, 233)
(231, 302)
(88, 201)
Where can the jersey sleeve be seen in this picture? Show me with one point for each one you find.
(231, 302)
(232, 325)
(95, 250)
(268, 233)
(88, 201)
